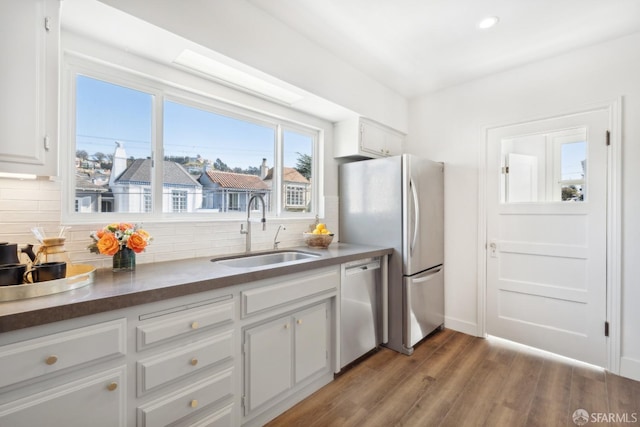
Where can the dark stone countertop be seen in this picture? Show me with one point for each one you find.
(161, 281)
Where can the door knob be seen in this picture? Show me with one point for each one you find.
(493, 249)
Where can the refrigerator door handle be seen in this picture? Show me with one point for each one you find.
(416, 208)
(428, 276)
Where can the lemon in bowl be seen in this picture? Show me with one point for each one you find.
(319, 237)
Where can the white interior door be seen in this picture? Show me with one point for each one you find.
(546, 257)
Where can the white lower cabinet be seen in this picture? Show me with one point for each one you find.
(268, 361)
(180, 362)
(96, 400)
(186, 373)
(282, 353)
(66, 377)
(311, 338)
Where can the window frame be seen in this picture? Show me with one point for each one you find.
(161, 91)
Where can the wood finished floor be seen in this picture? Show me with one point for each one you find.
(453, 379)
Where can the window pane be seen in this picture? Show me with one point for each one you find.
(218, 161)
(113, 145)
(573, 169)
(544, 167)
(297, 172)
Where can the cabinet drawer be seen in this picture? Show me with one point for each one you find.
(40, 356)
(97, 400)
(155, 371)
(172, 326)
(186, 401)
(221, 418)
(258, 299)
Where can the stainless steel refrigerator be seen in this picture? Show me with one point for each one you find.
(399, 202)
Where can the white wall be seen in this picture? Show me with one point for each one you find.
(447, 126)
(241, 31)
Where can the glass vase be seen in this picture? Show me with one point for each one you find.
(124, 260)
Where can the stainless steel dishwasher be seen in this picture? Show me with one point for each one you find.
(360, 309)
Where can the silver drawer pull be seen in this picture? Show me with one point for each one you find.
(194, 361)
(51, 360)
(194, 403)
(112, 386)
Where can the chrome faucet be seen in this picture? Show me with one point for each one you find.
(247, 232)
(275, 238)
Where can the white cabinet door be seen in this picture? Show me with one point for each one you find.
(29, 37)
(97, 400)
(372, 139)
(360, 137)
(282, 353)
(311, 348)
(268, 361)
(379, 140)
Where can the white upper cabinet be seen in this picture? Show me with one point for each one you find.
(29, 41)
(360, 137)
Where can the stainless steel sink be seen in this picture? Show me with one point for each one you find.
(263, 259)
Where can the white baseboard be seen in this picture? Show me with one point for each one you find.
(630, 368)
(463, 326)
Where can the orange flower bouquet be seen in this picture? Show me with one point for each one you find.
(122, 241)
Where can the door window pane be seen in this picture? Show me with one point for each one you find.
(218, 160)
(113, 146)
(544, 167)
(297, 171)
(573, 169)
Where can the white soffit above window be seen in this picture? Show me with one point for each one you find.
(229, 75)
(135, 36)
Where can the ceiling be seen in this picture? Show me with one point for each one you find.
(419, 46)
(413, 47)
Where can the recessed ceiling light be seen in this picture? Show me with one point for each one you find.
(488, 22)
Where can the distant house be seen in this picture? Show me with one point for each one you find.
(181, 192)
(230, 191)
(297, 189)
(92, 194)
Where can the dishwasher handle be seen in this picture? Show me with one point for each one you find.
(362, 268)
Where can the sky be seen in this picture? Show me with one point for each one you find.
(572, 156)
(107, 113)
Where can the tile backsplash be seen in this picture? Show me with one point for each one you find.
(26, 203)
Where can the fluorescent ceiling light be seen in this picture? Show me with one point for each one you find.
(231, 76)
(488, 22)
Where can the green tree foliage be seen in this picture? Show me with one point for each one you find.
(570, 193)
(303, 165)
(221, 166)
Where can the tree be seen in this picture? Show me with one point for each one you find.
(221, 166)
(82, 155)
(570, 193)
(303, 165)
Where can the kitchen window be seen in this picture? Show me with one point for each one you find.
(146, 149)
